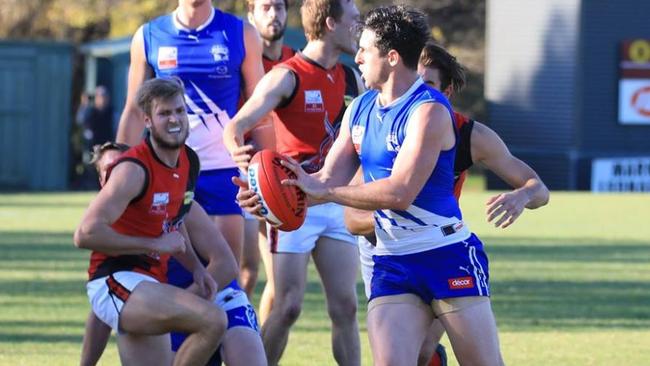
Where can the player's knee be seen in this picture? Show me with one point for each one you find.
(214, 321)
(344, 310)
(290, 311)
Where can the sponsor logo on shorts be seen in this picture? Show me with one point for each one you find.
(461, 283)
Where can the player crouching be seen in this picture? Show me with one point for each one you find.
(134, 225)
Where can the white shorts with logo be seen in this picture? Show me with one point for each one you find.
(325, 220)
(107, 295)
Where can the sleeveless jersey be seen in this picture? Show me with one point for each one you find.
(208, 60)
(433, 219)
(463, 160)
(161, 206)
(287, 53)
(309, 122)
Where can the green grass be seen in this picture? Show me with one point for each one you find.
(570, 283)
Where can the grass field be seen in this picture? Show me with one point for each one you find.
(570, 283)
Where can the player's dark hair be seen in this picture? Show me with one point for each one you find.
(159, 88)
(451, 71)
(400, 28)
(99, 150)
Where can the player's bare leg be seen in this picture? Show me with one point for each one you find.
(95, 340)
(431, 341)
(143, 349)
(243, 347)
(290, 274)
(232, 228)
(155, 309)
(397, 326)
(268, 294)
(472, 332)
(337, 263)
(250, 259)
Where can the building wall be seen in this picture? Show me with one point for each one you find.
(35, 82)
(531, 82)
(605, 24)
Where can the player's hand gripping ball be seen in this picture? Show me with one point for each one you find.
(283, 206)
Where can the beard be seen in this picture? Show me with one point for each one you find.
(164, 143)
(274, 36)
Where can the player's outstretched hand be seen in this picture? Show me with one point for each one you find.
(247, 199)
(207, 286)
(507, 207)
(172, 243)
(308, 184)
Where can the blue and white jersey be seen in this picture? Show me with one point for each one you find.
(208, 59)
(433, 219)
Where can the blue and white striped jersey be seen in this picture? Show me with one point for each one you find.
(434, 219)
(208, 60)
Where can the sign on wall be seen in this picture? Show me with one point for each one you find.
(620, 175)
(634, 83)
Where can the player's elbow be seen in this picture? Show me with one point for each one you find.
(81, 237)
(358, 222)
(401, 199)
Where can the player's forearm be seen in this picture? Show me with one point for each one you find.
(188, 259)
(377, 195)
(102, 238)
(538, 194)
(223, 269)
(131, 126)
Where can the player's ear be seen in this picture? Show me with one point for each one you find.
(448, 92)
(251, 19)
(393, 57)
(330, 23)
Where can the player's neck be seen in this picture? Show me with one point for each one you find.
(323, 53)
(166, 155)
(396, 85)
(191, 17)
(273, 49)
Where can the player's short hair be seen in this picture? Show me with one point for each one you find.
(99, 150)
(251, 5)
(400, 28)
(314, 13)
(451, 71)
(158, 88)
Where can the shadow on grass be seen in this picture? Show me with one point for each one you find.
(562, 250)
(39, 338)
(41, 246)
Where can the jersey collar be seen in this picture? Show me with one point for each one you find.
(181, 28)
(418, 82)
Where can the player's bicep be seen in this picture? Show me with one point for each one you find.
(131, 121)
(252, 69)
(274, 87)
(489, 150)
(429, 130)
(125, 184)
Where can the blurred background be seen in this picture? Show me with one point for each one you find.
(566, 83)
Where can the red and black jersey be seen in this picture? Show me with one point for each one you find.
(161, 206)
(463, 160)
(309, 121)
(287, 53)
